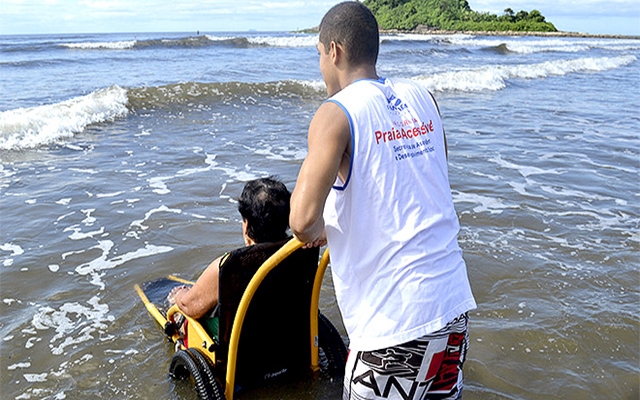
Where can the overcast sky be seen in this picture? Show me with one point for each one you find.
(97, 16)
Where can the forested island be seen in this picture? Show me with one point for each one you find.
(452, 15)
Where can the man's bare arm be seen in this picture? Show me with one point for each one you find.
(329, 139)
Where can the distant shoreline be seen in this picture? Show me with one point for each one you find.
(426, 31)
(421, 30)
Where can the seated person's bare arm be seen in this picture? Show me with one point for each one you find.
(196, 301)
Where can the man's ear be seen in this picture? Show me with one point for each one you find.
(335, 51)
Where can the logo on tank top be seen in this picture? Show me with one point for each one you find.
(396, 105)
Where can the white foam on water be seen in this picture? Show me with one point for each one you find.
(89, 220)
(524, 170)
(316, 85)
(19, 365)
(35, 377)
(158, 184)
(70, 318)
(73, 147)
(538, 45)
(79, 235)
(283, 153)
(31, 342)
(495, 77)
(27, 128)
(520, 188)
(234, 174)
(484, 204)
(407, 37)
(562, 192)
(84, 170)
(103, 195)
(70, 253)
(564, 242)
(61, 372)
(285, 41)
(13, 248)
(245, 175)
(210, 162)
(94, 267)
(121, 45)
(15, 251)
(595, 218)
(219, 38)
(64, 202)
(525, 46)
(140, 222)
(125, 352)
(605, 219)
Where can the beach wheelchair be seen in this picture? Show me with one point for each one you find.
(266, 325)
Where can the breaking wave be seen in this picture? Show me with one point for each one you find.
(121, 45)
(301, 40)
(537, 45)
(30, 128)
(495, 77)
(26, 128)
(195, 92)
(501, 45)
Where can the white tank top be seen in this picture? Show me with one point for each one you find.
(391, 226)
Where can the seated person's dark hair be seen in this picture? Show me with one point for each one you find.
(264, 205)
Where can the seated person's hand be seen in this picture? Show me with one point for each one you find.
(171, 297)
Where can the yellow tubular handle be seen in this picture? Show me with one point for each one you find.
(150, 307)
(291, 246)
(202, 337)
(181, 280)
(315, 302)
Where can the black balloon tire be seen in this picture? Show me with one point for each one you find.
(184, 365)
(334, 349)
(208, 368)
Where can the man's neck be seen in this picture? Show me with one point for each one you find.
(358, 73)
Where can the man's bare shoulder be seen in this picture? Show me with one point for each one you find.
(330, 109)
(330, 120)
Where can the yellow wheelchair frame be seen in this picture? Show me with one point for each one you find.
(198, 337)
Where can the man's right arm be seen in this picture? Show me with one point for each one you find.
(329, 139)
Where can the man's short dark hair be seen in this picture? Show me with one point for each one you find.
(352, 25)
(265, 205)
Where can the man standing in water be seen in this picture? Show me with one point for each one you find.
(375, 184)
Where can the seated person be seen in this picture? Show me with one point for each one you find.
(264, 207)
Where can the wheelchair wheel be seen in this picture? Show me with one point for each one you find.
(333, 352)
(185, 365)
(206, 366)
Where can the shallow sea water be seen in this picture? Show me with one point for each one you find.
(122, 156)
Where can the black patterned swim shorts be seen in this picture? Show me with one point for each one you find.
(428, 368)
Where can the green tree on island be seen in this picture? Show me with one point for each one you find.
(453, 15)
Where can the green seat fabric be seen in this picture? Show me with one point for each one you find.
(211, 326)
